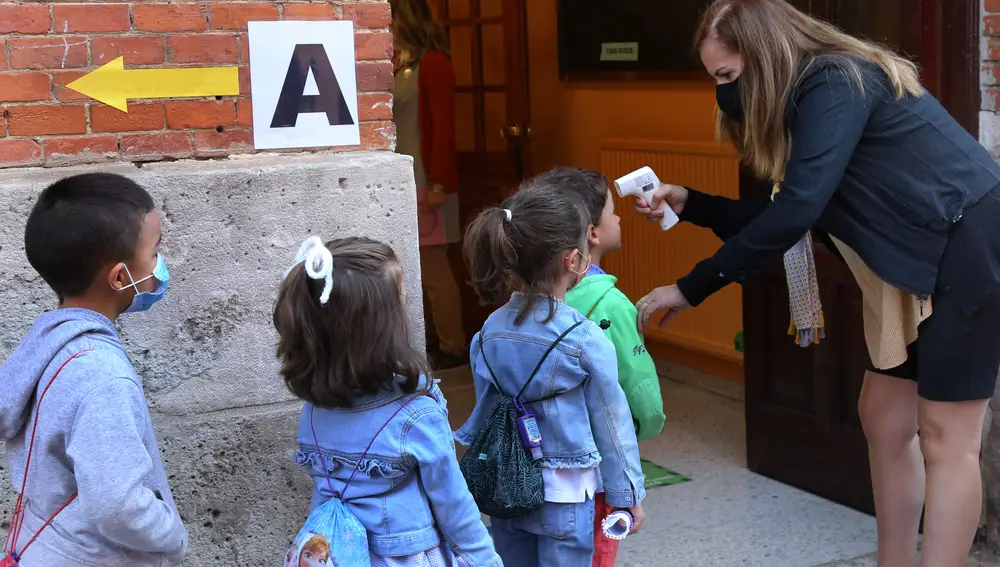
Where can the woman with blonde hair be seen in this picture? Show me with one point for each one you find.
(861, 155)
(424, 112)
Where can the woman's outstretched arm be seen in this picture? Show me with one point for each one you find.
(723, 216)
(829, 118)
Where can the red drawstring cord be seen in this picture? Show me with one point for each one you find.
(15, 526)
(47, 522)
(17, 520)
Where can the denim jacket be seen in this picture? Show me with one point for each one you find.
(583, 416)
(408, 491)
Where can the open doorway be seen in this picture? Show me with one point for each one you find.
(492, 124)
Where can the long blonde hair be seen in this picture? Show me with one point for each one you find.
(415, 32)
(780, 45)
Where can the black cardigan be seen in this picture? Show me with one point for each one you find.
(889, 178)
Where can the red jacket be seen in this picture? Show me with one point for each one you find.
(437, 120)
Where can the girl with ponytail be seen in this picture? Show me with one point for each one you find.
(529, 252)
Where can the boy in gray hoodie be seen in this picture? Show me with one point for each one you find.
(71, 404)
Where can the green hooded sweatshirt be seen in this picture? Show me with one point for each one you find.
(597, 297)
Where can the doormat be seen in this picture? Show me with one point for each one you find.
(660, 476)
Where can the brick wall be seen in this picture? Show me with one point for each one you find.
(989, 120)
(46, 45)
(991, 55)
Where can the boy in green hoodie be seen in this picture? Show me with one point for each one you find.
(597, 297)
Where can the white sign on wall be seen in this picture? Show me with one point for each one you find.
(628, 51)
(304, 84)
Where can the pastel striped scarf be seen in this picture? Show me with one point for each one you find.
(804, 303)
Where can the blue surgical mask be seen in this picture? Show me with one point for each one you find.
(145, 299)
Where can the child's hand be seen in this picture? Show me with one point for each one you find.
(638, 515)
(674, 195)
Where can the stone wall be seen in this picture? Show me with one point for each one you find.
(225, 422)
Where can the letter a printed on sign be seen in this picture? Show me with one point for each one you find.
(304, 84)
(310, 59)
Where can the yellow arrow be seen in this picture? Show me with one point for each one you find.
(113, 85)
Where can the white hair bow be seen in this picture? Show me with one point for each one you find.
(318, 264)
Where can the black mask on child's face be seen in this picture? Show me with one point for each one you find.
(727, 95)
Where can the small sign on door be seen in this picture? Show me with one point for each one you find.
(628, 51)
(304, 84)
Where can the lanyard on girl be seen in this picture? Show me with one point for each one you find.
(527, 426)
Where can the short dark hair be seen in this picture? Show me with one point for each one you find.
(358, 342)
(81, 223)
(524, 252)
(588, 185)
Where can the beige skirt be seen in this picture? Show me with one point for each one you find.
(891, 316)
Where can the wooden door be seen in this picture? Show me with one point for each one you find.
(489, 54)
(801, 404)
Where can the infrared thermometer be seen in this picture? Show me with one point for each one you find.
(641, 183)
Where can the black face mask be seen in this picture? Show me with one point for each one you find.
(727, 95)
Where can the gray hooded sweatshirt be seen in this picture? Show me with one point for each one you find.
(94, 437)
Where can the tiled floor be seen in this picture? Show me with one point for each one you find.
(978, 558)
(726, 516)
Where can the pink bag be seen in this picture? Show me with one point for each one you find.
(439, 225)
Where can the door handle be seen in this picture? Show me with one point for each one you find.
(511, 131)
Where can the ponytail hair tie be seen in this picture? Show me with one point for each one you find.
(318, 264)
(506, 213)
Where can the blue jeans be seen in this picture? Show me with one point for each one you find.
(554, 535)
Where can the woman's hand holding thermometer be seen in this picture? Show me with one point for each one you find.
(647, 189)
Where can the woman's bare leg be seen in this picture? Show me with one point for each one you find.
(888, 409)
(950, 438)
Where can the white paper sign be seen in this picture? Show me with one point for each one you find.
(628, 51)
(304, 84)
